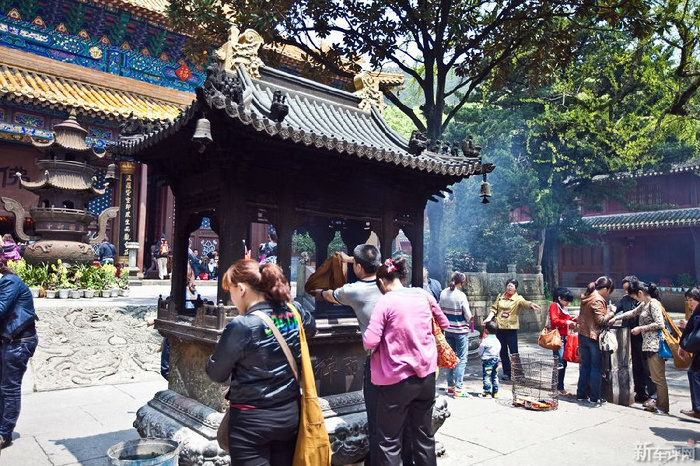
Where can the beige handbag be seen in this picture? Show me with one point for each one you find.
(549, 339)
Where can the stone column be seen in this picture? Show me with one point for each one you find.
(133, 249)
(617, 370)
(127, 211)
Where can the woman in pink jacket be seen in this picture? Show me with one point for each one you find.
(403, 365)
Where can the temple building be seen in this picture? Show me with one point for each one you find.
(107, 61)
(650, 230)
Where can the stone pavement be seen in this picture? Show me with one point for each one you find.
(77, 426)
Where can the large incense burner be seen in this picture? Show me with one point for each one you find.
(66, 183)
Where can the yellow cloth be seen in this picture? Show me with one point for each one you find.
(328, 276)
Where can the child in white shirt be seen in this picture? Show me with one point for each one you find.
(489, 350)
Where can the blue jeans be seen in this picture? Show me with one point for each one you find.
(590, 374)
(509, 341)
(489, 373)
(15, 356)
(561, 364)
(460, 344)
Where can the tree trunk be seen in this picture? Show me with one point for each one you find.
(550, 260)
(435, 210)
(540, 247)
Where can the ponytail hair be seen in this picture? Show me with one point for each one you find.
(599, 284)
(458, 278)
(267, 279)
(647, 288)
(392, 269)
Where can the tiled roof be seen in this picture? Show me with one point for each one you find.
(319, 116)
(674, 218)
(687, 166)
(155, 10)
(57, 92)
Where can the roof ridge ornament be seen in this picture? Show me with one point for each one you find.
(367, 89)
(241, 49)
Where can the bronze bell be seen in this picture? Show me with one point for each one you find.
(485, 191)
(111, 174)
(202, 133)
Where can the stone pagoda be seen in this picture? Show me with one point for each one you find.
(65, 185)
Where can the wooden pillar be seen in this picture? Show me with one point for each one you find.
(141, 222)
(388, 232)
(178, 274)
(232, 229)
(286, 224)
(606, 257)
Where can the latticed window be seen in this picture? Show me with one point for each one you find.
(647, 195)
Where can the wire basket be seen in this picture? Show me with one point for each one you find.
(534, 381)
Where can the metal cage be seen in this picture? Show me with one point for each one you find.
(534, 381)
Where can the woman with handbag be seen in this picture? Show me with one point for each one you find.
(593, 315)
(651, 322)
(403, 365)
(691, 336)
(455, 305)
(561, 320)
(264, 393)
(506, 311)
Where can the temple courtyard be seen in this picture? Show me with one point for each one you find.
(76, 426)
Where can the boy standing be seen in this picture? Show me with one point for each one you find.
(489, 350)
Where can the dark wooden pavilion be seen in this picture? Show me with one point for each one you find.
(279, 149)
(293, 153)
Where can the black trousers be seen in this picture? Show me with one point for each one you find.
(407, 405)
(643, 386)
(263, 437)
(369, 390)
(509, 342)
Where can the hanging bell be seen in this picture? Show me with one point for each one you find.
(485, 191)
(202, 133)
(111, 174)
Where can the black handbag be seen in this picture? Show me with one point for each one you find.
(690, 341)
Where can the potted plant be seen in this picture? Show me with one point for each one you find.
(123, 282)
(35, 277)
(109, 273)
(52, 285)
(63, 282)
(80, 276)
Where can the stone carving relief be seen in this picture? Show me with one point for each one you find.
(368, 90)
(474, 285)
(241, 49)
(94, 346)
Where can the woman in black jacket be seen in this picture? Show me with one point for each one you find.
(693, 298)
(263, 393)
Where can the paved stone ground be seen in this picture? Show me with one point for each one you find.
(77, 426)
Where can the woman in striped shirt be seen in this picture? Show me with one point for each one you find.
(455, 305)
